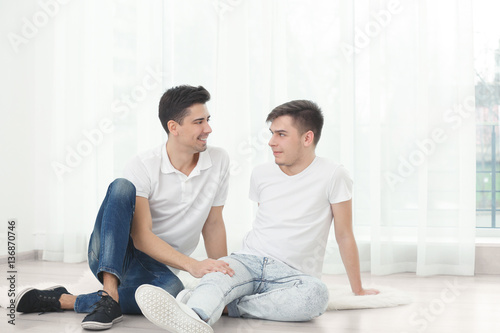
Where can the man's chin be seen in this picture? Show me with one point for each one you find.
(202, 148)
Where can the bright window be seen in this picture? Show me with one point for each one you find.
(487, 87)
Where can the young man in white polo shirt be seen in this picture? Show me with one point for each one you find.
(151, 220)
(277, 273)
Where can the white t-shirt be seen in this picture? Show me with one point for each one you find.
(294, 214)
(180, 204)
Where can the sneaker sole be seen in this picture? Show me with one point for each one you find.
(97, 326)
(161, 308)
(22, 293)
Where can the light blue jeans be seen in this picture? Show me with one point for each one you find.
(111, 250)
(261, 288)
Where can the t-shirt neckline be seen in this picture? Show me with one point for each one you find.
(303, 172)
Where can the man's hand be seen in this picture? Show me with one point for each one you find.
(199, 268)
(365, 292)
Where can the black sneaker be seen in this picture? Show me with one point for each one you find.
(36, 300)
(106, 313)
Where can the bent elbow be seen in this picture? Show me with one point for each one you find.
(137, 242)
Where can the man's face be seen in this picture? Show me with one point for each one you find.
(286, 142)
(194, 131)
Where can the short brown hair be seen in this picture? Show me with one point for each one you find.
(175, 102)
(306, 115)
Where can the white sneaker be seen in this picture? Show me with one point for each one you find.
(161, 308)
(184, 295)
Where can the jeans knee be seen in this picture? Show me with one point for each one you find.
(123, 189)
(216, 281)
(318, 298)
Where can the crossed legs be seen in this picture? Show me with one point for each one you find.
(261, 288)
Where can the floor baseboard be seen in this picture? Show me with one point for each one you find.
(23, 256)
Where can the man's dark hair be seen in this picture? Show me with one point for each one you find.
(307, 116)
(175, 102)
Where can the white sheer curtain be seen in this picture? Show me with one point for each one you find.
(414, 139)
(394, 79)
(94, 84)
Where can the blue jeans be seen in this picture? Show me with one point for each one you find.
(261, 288)
(111, 250)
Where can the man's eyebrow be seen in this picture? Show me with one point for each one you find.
(202, 118)
(278, 131)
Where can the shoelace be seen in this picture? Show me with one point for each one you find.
(47, 304)
(105, 302)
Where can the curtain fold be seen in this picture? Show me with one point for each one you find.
(98, 76)
(411, 82)
(394, 79)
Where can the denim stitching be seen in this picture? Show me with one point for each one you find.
(260, 295)
(229, 291)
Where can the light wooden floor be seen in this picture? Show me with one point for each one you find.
(441, 304)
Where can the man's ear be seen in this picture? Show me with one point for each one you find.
(308, 138)
(172, 127)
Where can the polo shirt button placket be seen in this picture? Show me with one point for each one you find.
(187, 190)
(183, 190)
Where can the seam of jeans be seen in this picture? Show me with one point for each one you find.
(263, 267)
(240, 284)
(290, 277)
(295, 281)
(260, 295)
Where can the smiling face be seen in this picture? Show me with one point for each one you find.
(292, 150)
(194, 130)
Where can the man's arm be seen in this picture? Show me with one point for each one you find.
(146, 241)
(342, 214)
(214, 234)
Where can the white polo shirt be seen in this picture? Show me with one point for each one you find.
(180, 204)
(294, 214)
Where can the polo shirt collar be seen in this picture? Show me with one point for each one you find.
(204, 162)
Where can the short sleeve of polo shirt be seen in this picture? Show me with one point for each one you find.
(340, 186)
(137, 173)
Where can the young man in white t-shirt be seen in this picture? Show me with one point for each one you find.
(277, 272)
(151, 220)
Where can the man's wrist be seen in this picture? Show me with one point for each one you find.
(357, 290)
(190, 265)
